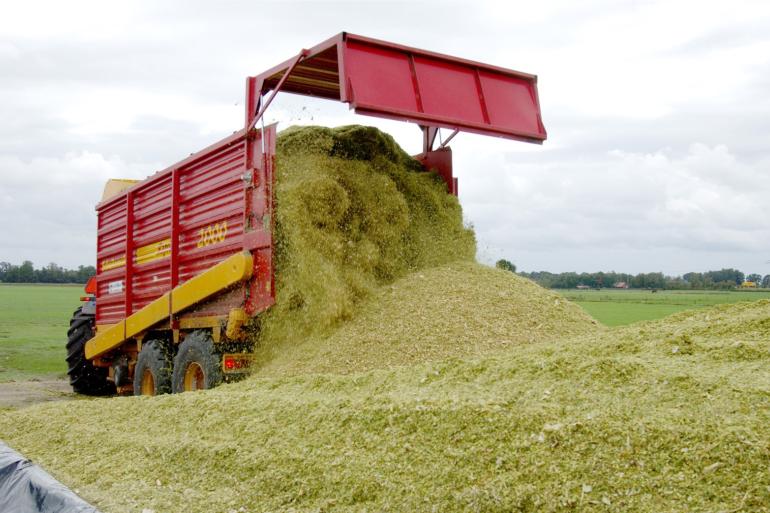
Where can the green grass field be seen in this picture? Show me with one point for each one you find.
(620, 307)
(34, 319)
(33, 329)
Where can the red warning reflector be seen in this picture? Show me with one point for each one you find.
(236, 362)
(90, 287)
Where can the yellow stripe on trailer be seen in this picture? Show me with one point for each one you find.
(230, 271)
(142, 255)
(154, 251)
(113, 263)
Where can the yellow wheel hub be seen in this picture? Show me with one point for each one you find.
(148, 383)
(194, 379)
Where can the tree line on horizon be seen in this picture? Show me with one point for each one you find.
(52, 273)
(724, 279)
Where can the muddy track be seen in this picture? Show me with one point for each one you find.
(20, 394)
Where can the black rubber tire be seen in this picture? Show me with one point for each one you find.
(84, 377)
(197, 348)
(155, 356)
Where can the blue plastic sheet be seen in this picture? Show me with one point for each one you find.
(26, 488)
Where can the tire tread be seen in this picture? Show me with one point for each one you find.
(84, 377)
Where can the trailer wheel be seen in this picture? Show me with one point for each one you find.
(197, 364)
(152, 373)
(84, 377)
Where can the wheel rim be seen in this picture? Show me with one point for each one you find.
(194, 378)
(148, 383)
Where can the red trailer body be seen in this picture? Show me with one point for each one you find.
(185, 257)
(183, 221)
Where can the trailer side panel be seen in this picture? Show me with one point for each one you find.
(183, 221)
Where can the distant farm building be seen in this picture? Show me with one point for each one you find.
(583, 287)
(749, 285)
(620, 285)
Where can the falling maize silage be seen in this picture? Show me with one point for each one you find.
(353, 211)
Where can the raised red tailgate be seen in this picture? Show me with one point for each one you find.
(388, 80)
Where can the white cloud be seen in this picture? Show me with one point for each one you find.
(47, 206)
(86, 19)
(705, 199)
(656, 111)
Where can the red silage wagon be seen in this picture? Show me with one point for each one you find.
(185, 257)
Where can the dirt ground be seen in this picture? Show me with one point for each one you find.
(20, 394)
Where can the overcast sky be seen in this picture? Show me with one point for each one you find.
(658, 118)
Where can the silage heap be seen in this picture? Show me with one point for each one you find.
(457, 310)
(355, 213)
(671, 415)
(432, 399)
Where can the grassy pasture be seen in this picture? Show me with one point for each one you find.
(621, 307)
(34, 319)
(33, 329)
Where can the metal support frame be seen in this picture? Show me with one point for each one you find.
(439, 159)
(128, 289)
(262, 108)
(451, 136)
(429, 134)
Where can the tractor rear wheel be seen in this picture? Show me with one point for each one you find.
(152, 373)
(197, 364)
(84, 377)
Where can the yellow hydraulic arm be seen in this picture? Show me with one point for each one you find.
(230, 271)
